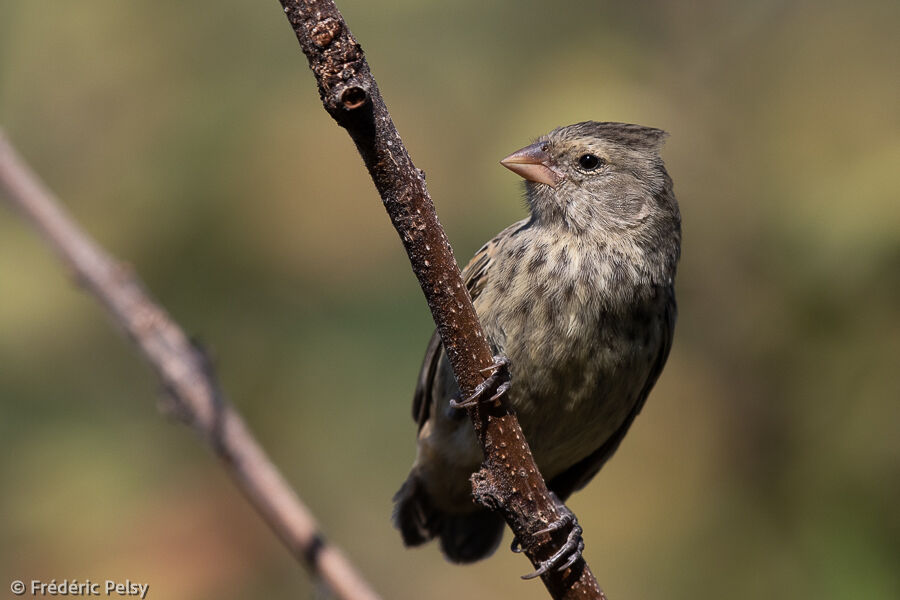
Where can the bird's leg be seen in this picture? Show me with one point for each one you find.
(496, 384)
(571, 550)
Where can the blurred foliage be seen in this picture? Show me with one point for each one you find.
(189, 139)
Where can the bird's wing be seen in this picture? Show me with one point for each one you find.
(578, 475)
(475, 275)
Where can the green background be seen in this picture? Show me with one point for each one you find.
(188, 138)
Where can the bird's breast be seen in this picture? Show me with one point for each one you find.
(578, 357)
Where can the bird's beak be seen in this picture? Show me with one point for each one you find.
(533, 163)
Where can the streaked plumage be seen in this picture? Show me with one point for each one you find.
(580, 298)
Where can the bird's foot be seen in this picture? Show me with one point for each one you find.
(496, 384)
(569, 553)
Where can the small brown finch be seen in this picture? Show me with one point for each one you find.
(580, 299)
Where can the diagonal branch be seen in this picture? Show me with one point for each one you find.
(186, 375)
(509, 480)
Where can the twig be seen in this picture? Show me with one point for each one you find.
(509, 480)
(186, 375)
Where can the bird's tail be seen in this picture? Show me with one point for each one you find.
(464, 538)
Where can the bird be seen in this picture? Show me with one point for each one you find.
(577, 301)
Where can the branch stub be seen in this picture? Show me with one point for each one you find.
(353, 97)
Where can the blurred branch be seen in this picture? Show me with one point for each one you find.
(186, 375)
(509, 480)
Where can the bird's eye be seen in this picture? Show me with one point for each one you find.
(589, 162)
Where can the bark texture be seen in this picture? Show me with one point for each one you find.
(508, 481)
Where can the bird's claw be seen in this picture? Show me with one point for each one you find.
(516, 546)
(497, 382)
(571, 550)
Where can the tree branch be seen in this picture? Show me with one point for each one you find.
(186, 375)
(509, 480)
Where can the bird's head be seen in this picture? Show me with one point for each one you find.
(598, 175)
